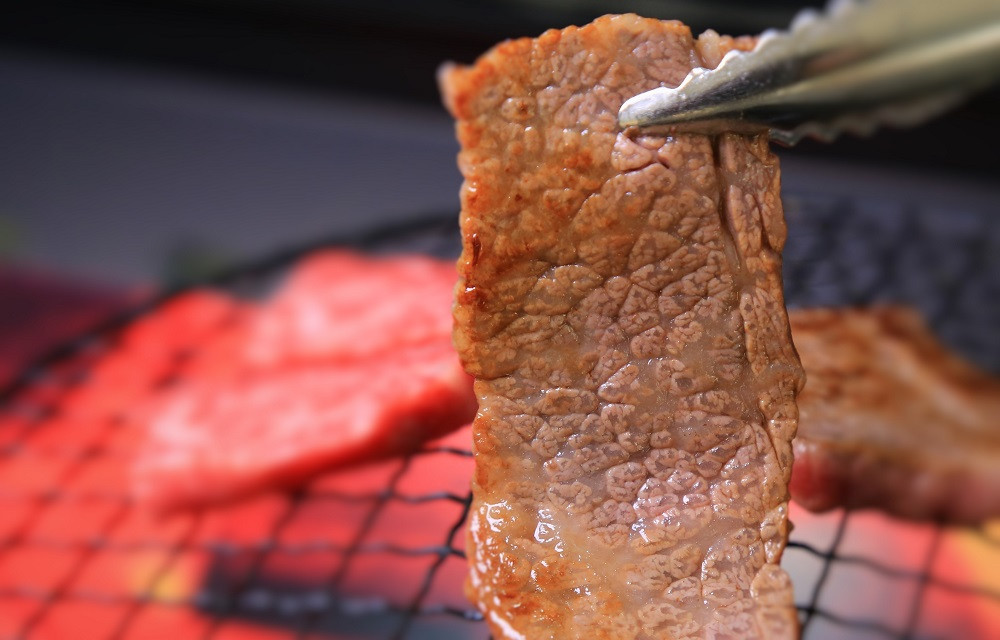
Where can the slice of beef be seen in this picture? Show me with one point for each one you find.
(620, 306)
(214, 442)
(350, 361)
(891, 419)
(342, 306)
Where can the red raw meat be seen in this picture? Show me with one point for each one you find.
(181, 324)
(341, 306)
(351, 360)
(150, 350)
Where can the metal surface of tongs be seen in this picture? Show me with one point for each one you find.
(857, 66)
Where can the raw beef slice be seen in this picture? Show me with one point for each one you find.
(352, 360)
(620, 306)
(891, 419)
(343, 306)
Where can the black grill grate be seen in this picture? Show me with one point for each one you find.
(839, 252)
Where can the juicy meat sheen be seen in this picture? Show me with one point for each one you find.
(350, 361)
(891, 419)
(620, 306)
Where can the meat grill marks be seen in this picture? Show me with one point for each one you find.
(891, 419)
(620, 306)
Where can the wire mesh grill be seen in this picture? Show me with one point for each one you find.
(379, 552)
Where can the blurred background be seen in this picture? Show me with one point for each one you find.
(144, 142)
(148, 144)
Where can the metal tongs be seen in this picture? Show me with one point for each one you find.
(857, 66)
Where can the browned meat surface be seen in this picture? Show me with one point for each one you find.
(620, 306)
(891, 419)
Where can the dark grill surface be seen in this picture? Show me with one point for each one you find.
(378, 553)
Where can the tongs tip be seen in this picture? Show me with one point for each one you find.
(658, 106)
(853, 68)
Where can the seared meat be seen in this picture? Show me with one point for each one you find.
(891, 419)
(620, 306)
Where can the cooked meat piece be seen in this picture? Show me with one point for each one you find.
(352, 360)
(620, 306)
(891, 419)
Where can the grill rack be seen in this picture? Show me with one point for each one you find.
(839, 252)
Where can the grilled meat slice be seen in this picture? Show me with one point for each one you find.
(620, 305)
(891, 419)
